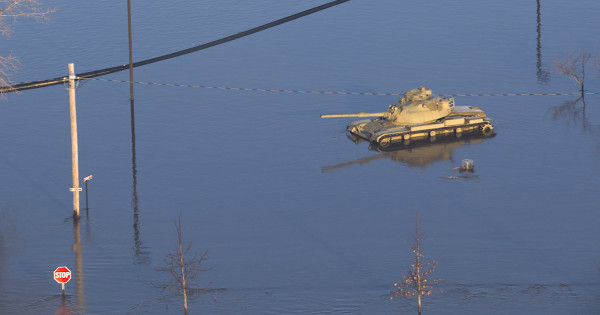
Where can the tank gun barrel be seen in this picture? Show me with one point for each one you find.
(361, 114)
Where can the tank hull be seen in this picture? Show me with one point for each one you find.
(384, 132)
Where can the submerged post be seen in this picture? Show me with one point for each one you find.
(74, 147)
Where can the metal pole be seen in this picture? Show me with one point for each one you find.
(74, 146)
(130, 52)
(86, 194)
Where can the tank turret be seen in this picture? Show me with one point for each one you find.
(416, 106)
(418, 94)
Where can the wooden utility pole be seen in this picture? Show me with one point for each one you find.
(74, 146)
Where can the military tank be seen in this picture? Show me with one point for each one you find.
(418, 114)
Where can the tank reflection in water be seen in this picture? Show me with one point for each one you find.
(416, 153)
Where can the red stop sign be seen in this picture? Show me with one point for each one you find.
(62, 274)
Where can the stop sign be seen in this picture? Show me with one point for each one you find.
(62, 274)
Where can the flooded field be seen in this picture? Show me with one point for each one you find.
(295, 217)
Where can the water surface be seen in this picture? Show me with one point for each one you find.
(246, 169)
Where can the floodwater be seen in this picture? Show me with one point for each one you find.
(295, 217)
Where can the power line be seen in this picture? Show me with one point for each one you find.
(328, 92)
(96, 73)
(524, 94)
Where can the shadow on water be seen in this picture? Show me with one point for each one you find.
(543, 76)
(417, 153)
(141, 254)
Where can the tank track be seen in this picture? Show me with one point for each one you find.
(486, 128)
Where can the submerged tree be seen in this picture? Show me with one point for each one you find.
(184, 270)
(14, 9)
(573, 64)
(417, 281)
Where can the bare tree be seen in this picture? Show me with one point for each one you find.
(417, 280)
(14, 9)
(183, 270)
(573, 64)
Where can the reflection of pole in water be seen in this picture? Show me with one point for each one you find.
(140, 254)
(134, 199)
(542, 75)
(78, 266)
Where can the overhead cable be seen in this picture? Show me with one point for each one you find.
(96, 73)
(329, 92)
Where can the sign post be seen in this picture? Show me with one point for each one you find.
(62, 275)
(86, 179)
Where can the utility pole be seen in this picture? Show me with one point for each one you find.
(74, 146)
(130, 53)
